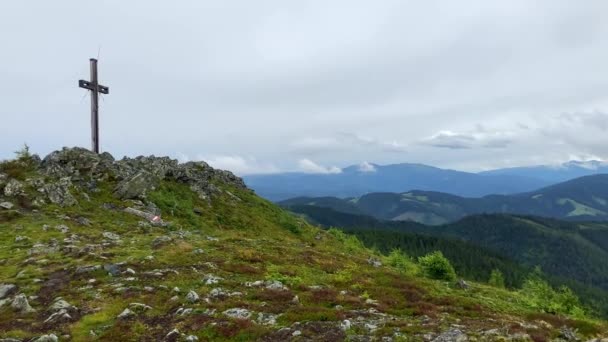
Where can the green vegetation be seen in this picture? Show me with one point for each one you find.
(497, 279)
(542, 296)
(238, 251)
(436, 266)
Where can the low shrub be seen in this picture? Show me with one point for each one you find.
(436, 266)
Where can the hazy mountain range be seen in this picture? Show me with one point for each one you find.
(357, 180)
(584, 198)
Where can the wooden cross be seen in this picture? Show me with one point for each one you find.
(95, 89)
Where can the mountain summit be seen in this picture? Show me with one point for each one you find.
(147, 249)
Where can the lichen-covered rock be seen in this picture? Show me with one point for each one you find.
(6, 205)
(452, 335)
(59, 192)
(7, 290)
(192, 297)
(47, 338)
(21, 304)
(238, 313)
(136, 186)
(13, 188)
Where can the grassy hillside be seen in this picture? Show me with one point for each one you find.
(580, 199)
(145, 250)
(569, 253)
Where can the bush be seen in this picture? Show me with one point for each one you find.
(540, 295)
(497, 279)
(436, 266)
(399, 260)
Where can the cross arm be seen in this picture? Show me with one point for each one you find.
(88, 85)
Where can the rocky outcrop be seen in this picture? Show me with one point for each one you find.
(136, 176)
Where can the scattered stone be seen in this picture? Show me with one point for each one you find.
(60, 304)
(267, 318)
(295, 300)
(211, 238)
(569, 334)
(374, 262)
(83, 221)
(452, 335)
(111, 236)
(87, 269)
(6, 205)
(112, 269)
(192, 297)
(161, 241)
(275, 285)
(191, 338)
(59, 192)
(256, 283)
(462, 284)
(20, 238)
(47, 338)
(62, 228)
(7, 290)
(296, 333)
(13, 188)
(238, 313)
(198, 251)
(126, 314)
(21, 304)
(172, 335)
(60, 316)
(210, 279)
(345, 324)
(130, 271)
(136, 186)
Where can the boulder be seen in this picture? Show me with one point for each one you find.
(6, 205)
(7, 290)
(21, 304)
(47, 338)
(59, 192)
(192, 297)
(136, 186)
(13, 188)
(125, 314)
(161, 241)
(452, 335)
(238, 313)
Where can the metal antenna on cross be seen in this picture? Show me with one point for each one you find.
(95, 88)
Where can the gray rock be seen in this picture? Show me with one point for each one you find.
(111, 236)
(62, 228)
(136, 186)
(47, 338)
(60, 316)
(13, 188)
(60, 304)
(6, 205)
(267, 318)
(9, 339)
(7, 290)
(462, 284)
(112, 269)
(374, 262)
(59, 192)
(21, 304)
(275, 285)
(139, 307)
(87, 269)
(452, 335)
(238, 313)
(126, 314)
(192, 297)
(569, 334)
(191, 338)
(161, 241)
(210, 279)
(172, 335)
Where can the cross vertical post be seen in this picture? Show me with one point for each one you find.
(95, 88)
(94, 108)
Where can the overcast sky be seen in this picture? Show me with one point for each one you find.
(266, 86)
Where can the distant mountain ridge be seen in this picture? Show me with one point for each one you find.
(353, 181)
(584, 198)
(358, 180)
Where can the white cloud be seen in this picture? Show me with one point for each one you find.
(366, 167)
(309, 166)
(240, 165)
